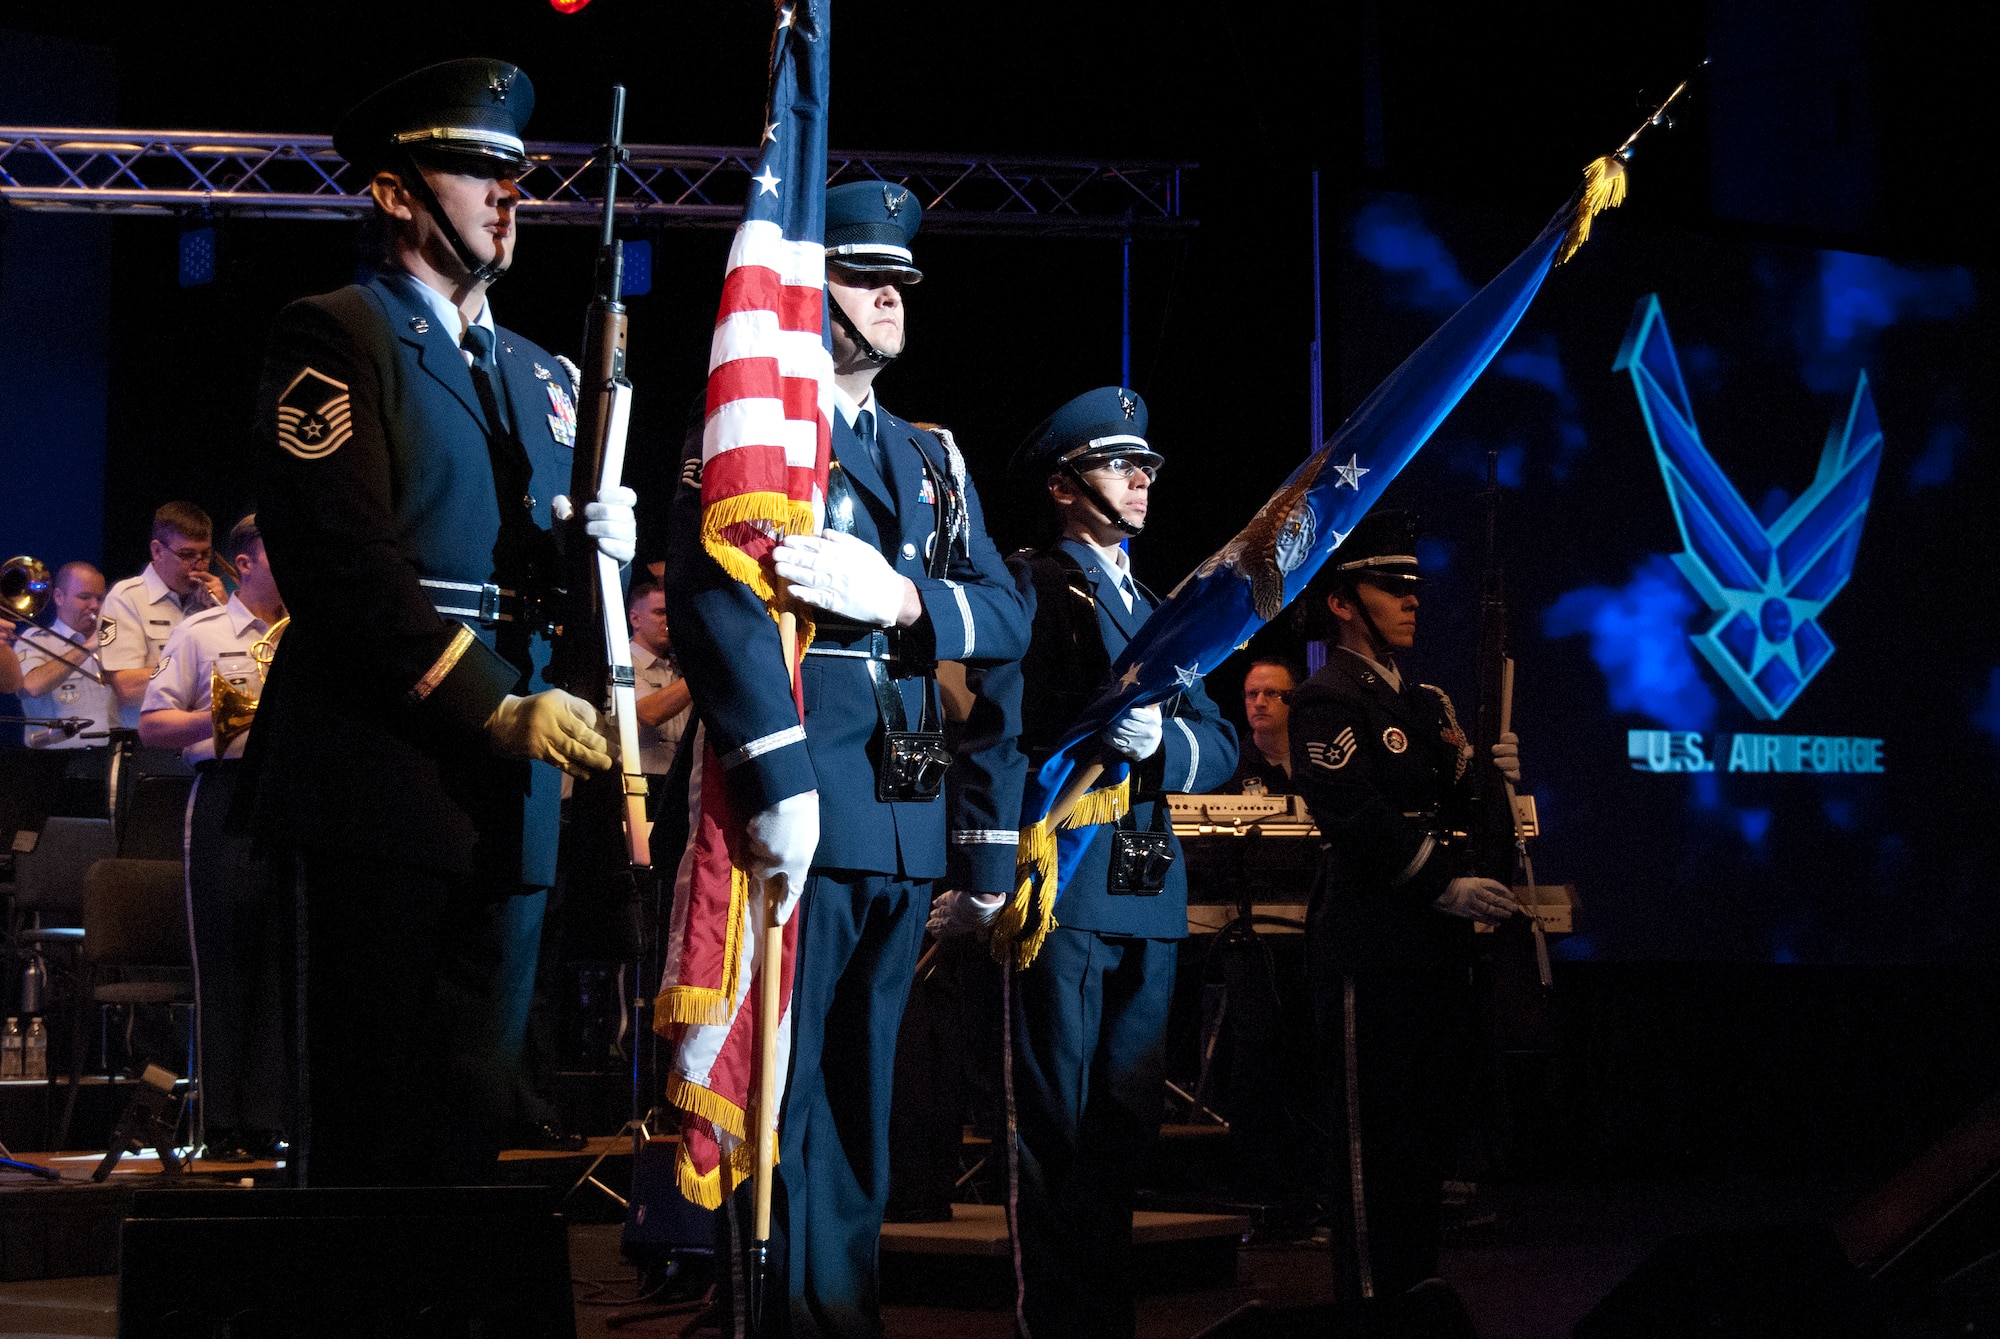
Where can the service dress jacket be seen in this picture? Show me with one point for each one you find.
(729, 649)
(1385, 774)
(1197, 749)
(375, 470)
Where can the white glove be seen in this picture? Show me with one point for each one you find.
(1507, 757)
(782, 841)
(955, 913)
(842, 575)
(609, 520)
(1486, 900)
(1136, 734)
(552, 727)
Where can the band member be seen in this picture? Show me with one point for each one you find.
(10, 664)
(906, 577)
(63, 677)
(147, 608)
(665, 704)
(410, 455)
(235, 897)
(1090, 1015)
(1266, 766)
(1383, 765)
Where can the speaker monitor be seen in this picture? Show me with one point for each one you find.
(445, 1263)
(1782, 1282)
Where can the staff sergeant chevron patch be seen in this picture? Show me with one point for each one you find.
(314, 415)
(1332, 757)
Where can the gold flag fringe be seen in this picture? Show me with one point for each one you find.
(785, 515)
(1028, 917)
(1603, 188)
(709, 1189)
(703, 1006)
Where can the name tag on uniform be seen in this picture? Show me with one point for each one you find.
(236, 669)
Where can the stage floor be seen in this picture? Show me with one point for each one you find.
(1551, 1254)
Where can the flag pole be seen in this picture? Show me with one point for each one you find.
(767, 1047)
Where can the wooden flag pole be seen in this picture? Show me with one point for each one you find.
(768, 1004)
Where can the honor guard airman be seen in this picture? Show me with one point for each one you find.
(1090, 1014)
(1384, 767)
(905, 577)
(410, 454)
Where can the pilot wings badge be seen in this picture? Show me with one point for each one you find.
(1766, 585)
(1278, 538)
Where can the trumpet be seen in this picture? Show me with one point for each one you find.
(230, 708)
(24, 593)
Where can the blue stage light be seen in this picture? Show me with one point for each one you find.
(638, 269)
(198, 256)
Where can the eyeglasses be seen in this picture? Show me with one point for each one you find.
(190, 557)
(1118, 467)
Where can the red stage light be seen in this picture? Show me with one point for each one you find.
(568, 6)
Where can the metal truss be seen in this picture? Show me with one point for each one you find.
(213, 174)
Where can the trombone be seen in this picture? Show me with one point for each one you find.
(24, 593)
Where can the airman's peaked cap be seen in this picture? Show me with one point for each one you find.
(869, 227)
(463, 115)
(1096, 426)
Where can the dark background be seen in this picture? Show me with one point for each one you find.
(1857, 125)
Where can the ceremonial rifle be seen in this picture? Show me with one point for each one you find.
(1502, 821)
(593, 654)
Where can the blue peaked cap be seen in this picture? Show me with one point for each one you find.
(1097, 425)
(463, 116)
(869, 226)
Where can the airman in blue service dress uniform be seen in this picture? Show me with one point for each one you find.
(1384, 768)
(1090, 1014)
(409, 458)
(905, 577)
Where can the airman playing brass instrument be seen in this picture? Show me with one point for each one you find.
(24, 593)
(229, 707)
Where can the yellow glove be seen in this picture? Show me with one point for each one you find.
(552, 727)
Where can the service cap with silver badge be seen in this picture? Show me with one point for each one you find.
(464, 115)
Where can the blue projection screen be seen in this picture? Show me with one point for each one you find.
(1747, 522)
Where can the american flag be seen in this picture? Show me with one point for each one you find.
(765, 448)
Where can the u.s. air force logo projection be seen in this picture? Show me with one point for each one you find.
(1765, 584)
(314, 415)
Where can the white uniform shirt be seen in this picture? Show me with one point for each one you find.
(75, 694)
(214, 641)
(145, 611)
(1119, 564)
(659, 744)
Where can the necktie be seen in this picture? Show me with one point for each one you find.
(478, 341)
(1126, 589)
(864, 428)
(511, 471)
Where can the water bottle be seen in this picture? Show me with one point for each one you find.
(11, 1057)
(35, 1054)
(34, 984)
